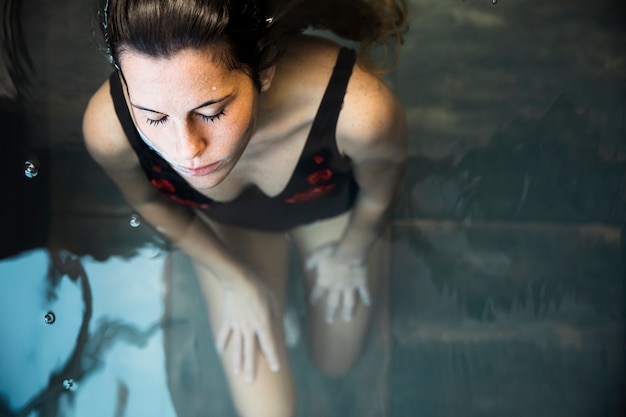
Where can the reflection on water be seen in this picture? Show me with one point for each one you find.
(87, 343)
(507, 295)
(550, 167)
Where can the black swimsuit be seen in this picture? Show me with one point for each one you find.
(321, 186)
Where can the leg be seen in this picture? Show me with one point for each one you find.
(271, 394)
(335, 347)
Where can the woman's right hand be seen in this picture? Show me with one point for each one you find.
(248, 308)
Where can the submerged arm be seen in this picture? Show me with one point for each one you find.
(375, 139)
(372, 132)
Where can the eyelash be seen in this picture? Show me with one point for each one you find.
(212, 119)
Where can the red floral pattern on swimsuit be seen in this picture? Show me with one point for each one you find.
(318, 159)
(169, 189)
(190, 202)
(163, 185)
(319, 177)
(310, 194)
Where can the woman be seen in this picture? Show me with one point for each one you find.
(251, 134)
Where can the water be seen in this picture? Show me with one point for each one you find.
(507, 294)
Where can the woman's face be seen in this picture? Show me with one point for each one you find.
(197, 114)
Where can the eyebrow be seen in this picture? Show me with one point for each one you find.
(205, 104)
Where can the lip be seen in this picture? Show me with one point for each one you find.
(198, 172)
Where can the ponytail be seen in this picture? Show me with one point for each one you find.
(371, 23)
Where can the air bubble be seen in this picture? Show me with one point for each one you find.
(494, 1)
(69, 384)
(135, 221)
(49, 318)
(30, 169)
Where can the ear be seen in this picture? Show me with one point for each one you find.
(267, 75)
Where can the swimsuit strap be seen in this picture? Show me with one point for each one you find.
(332, 102)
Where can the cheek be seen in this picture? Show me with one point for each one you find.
(242, 127)
(239, 138)
(160, 139)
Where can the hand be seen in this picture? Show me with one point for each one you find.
(247, 316)
(339, 280)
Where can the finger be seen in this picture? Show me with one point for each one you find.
(314, 258)
(222, 338)
(332, 303)
(365, 294)
(266, 343)
(316, 294)
(348, 305)
(248, 358)
(311, 262)
(236, 354)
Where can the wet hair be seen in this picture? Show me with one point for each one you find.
(246, 35)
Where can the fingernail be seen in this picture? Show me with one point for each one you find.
(236, 371)
(275, 368)
(248, 379)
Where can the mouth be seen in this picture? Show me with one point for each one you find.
(198, 172)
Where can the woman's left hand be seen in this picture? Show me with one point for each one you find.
(339, 280)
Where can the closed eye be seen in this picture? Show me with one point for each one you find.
(156, 122)
(211, 118)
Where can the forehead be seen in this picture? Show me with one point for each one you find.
(189, 71)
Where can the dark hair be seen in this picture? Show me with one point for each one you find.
(248, 35)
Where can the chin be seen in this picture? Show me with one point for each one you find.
(207, 182)
(203, 183)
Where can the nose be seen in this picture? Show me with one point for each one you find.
(192, 141)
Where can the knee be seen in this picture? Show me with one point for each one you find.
(268, 397)
(334, 366)
(268, 408)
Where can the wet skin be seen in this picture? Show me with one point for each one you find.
(196, 113)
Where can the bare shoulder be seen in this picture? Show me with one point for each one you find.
(312, 54)
(304, 70)
(103, 134)
(108, 146)
(372, 120)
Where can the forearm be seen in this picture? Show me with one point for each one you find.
(192, 235)
(367, 223)
(371, 213)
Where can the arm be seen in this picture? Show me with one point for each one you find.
(108, 146)
(372, 132)
(248, 302)
(377, 147)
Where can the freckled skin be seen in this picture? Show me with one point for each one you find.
(174, 88)
(243, 274)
